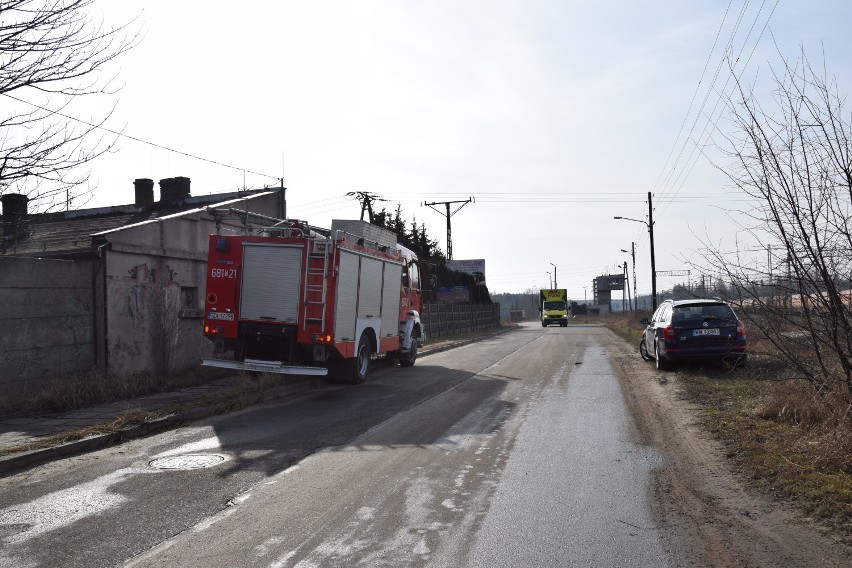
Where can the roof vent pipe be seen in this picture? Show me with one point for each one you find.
(14, 212)
(174, 190)
(144, 192)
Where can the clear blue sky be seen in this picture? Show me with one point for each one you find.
(554, 115)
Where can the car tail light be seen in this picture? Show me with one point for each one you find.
(668, 332)
(740, 329)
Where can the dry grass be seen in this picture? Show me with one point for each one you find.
(133, 417)
(778, 431)
(79, 391)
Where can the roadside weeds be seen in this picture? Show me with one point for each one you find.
(778, 433)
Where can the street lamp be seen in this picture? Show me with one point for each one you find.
(650, 224)
(550, 278)
(555, 285)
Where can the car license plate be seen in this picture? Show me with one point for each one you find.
(229, 316)
(711, 331)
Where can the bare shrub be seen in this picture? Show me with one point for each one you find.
(795, 160)
(53, 53)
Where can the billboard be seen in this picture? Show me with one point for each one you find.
(609, 282)
(475, 267)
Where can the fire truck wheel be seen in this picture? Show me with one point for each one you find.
(408, 359)
(361, 363)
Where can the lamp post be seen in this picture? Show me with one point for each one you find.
(555, 285)
(550, 279)
(650, 224)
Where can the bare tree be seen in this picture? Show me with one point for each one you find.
(795, 160)
(53, 52)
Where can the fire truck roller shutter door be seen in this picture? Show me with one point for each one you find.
(390, 300)
(370, 289)
(346, 297)
(270, 282)
(370, 301)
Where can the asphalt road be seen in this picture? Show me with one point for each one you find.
(513, 451)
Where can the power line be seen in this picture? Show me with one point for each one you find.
(698, 115)
(135, 139)
(695, 93)
(712, 119)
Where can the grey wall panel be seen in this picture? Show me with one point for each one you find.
(47, 323)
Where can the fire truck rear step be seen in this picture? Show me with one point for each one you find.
(261, 366)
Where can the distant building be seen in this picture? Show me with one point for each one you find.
(118, 289)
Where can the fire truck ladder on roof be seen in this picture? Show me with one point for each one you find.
(316, 281)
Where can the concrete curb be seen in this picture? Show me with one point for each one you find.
(13, 463)
(23, 460)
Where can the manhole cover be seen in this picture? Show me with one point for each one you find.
(189, 461)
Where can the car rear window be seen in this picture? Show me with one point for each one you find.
(684, 314)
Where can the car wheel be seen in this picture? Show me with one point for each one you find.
(662, 364)
(643, 351)
(407, 359)
(353, 371)
(361, 363)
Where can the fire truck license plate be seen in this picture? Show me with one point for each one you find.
(220, 316)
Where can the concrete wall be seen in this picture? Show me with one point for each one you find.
(154, 314)
(155, 288)
(47, 324)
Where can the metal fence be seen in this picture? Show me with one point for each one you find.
(452, 319)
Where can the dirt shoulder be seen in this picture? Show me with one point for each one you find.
(710, 515)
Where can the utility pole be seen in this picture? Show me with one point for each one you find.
(653, 260)
(633, 254)
(635, 294)
(449, 215)
(650, 224)
(366, 199)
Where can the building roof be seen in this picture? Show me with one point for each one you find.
(74, 233)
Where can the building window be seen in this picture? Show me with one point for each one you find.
(189, 297)
(189, 303)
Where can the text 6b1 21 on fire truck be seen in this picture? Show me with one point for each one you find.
(297, 299)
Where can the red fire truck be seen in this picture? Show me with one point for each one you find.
(297, 299)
